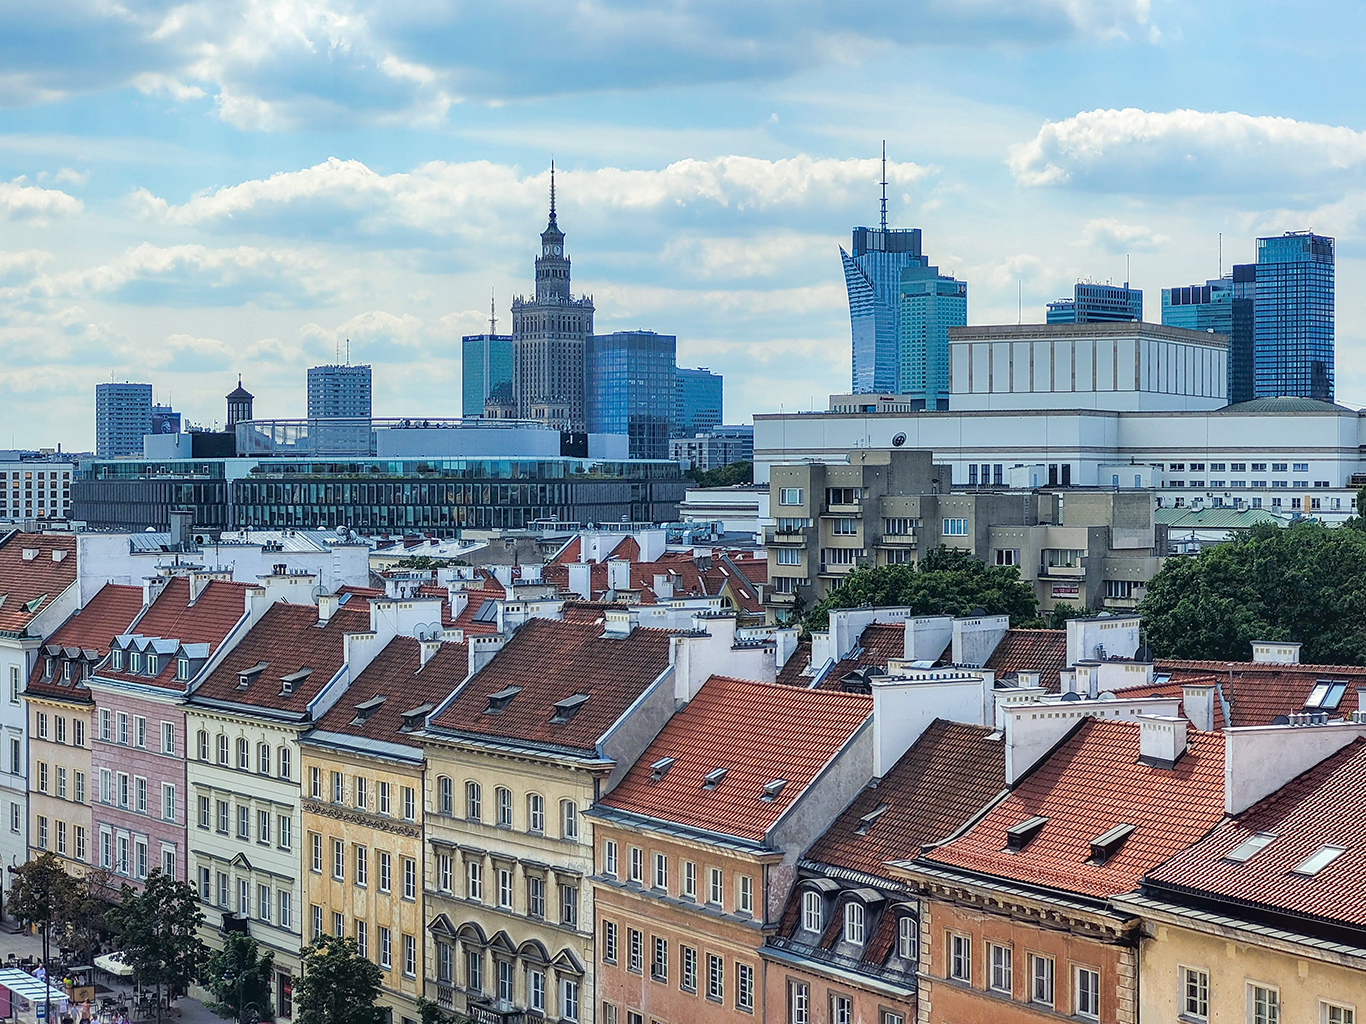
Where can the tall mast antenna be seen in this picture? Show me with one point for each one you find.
(552, 188)
(493, 316)
(884, 184)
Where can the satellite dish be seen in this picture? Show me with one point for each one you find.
(317, 592)
(898, 440)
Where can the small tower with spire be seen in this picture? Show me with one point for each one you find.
(552, 266)
(239, 404)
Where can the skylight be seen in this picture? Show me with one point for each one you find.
(1319, 860)
(1018, 836)
(772, 789)
(713, 778)
(500, 700)
(1326, 695)
(1249, 847)
(661, 766)
(1107, 844)
(567, 708)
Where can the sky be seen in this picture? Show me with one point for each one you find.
(193, 190)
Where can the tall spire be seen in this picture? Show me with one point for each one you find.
(493, 314)
(884, 187)
(552, 190)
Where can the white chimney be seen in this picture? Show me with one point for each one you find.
(1029, 679)
(1162, 739)
(906, 703)
(1105, 636)
(974, 639)
(1033, 727)
(663, 586)
(483, 648)
(927, 637)
(1197, 701)
(618, 622)
(327, 605)
(786, 643)
(618, 574)
(1260, 759)
(581, 579)
(429, 648)
(1275, 652)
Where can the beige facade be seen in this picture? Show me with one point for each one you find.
(509, 908)
(59, 779)
(1228, 970)
(363, 859)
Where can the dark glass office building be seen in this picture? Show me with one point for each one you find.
(1293, 326)
(1225, 306)
(1097, 304)
(872, 276)
(436, 496)
(629, 389)
(485, 363)
(698, 401)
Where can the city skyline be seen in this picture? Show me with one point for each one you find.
(180, 220)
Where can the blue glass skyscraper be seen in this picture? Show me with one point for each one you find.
(629, 389)
(485, 362)
(931, 303)
(1225, 306)
(1293, 328)
(698, 401)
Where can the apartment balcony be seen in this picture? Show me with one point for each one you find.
(786, 535)
(499, 1013)
(898, 540)
(775, 598)
(853, 509)
(1062, 572)
(833, 571)
(1121, 603)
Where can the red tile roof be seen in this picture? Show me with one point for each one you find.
(1039, 650)
(877, 644)
(757, 732)
(107, 615)
(1090, 784)
(1257, 692)
(491, 590)
(221, 605)
(548, 662)
(570, 552)
(948, 775)
(1305, 815)
(29, 585)
(398, 676)
(287, 640)
(791, 672)
(1175, 688)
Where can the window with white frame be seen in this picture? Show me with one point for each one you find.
(789, 556)
(955, 528)
(1086, 992)
(569, 820)
(853, 922)
(609, 857)
(745, 895)
(1193, 997)
(789, 496)
(535, 812)
(1263, 1004)
(661, 879)
(1000, 968)
(812, 917)
(1041, 979)
(798, 1002)
(960, 957)
(689, 883)
(907, 937)
(1337, 1013)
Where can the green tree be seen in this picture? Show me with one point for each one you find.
(723, 476)
(947, 581)
(428, 562)
(1304, 582)
(158, 931)
(239, 976)
(338, 985)
(89, 922)
(430, 1012)
(42, 895)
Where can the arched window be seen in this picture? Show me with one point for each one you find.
(504, 798)
(569, 820)
(474, 803)
(813, 920)
(203, 739)
(535, 812)
(285, 766)
(222, 749)
(263, 758)
(907, 937)
(853, 923)
(243, 754)
(444, 796)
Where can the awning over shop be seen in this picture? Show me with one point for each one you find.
(112, 963)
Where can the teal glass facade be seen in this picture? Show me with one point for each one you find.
(629, 389)
(485, 363)
(1293, 333)
(931, 303)
(872, 275)
(699, 398)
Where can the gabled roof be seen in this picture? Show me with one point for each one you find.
(877, 644)
(1259, 691)
(1039, 650)
(208, 620)
(286, 644)
(1316, 810)
(1176, 688)
(404, 686)
(108, 614)
(1090, 784)
(755, 735)
(549, 662)
(32, 577)
(948, 775)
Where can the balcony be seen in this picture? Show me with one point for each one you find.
(1121, 603)
(842, 509)
(776, 598)
(786, 535)
(898, 540)
(838, 571)
(500, 1013)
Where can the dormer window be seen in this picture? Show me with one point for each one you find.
(48, 667)
(854, 918)
(1018, 836)
(568, 708)
(813, 916)
(116, 660)
(366, 709)
(294, 679)
(713, 778)
(182, 669)
(868, 820)
(660, 767)
(66, 671)
(1106, 845)
(134, 661)
(772, 789)
(500, 700)
(153, 664)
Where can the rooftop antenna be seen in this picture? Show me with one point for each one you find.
(1221, 255)
(493, 316)
(884, 184)
(1019, 302)
(552, 188)
(348, 351)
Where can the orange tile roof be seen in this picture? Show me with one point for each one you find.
(398, 676)
(221, 605)
(1039, 650)
(1304, 816)
(791, 672)
(948, 775)
(1257, 692)
(759, 733)
(877, 644)
(570, 552)
(491, 590)
(286, 641)
(548, 662)
(1092, 782)
(107, 615)
(29, 585)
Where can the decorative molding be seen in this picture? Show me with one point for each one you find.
(352, 817)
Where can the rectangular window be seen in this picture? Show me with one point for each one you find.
(569, 905)
(841, 1010)
(637, 864)
(383, 788)
(474, 880)
(243, 822)
(1194, 994)
(79, 789)
(167, 801)
(535, 896)
(315, 783)
(443, 872)
(122, 718)
(78, 732)
(338, 787)
(361, 794)
(223, 890)
(687, 968)
(716, 891)
(106, 733)
(569, 999)
(505, 888)
(790, 496)
(744, 988)
(410, 956)
(659, 959)
(1337, 1013)
(362, 939)
(845, 527)
(609, 857)
(789, 556)
(999, 961)
(316, 920)
(689, 884)
(409, 878)
(42, 832)
(955, 527)
(635, 951)
(285, 836)
(286, 909)
(409, 803)
(746, 905)
(386, 873)
(1086, 992)
(140, 858)
(42, 725)
(205, 812)
(716, 977)
(362, 873)
(386, 952)
(42, 776)
(1041, 979)
(1007, 556)
(1263, 1004)
(960, 957)
(140, 789)
(338, 859)
(661, 871)
(167, 738)
(263, 902)
(78, 836)
(609, 942)
(338, 924)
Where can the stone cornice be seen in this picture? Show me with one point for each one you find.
(353, 817)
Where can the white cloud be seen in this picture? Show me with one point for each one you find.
(28, 202)
(18, 268)
(1116, 237)
(1190, 152)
